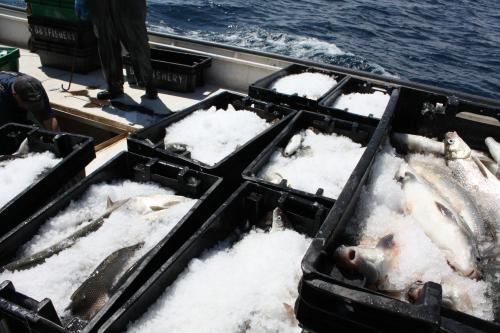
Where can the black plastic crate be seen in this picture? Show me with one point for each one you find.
(328, 299)
(14, 310)
(173, 70)
(75, 150)
(359, 133)
(262, 88)
(149, 141)
(67, 58)
(74, 34)
(127, 165)
(352, 85)
(241, 211)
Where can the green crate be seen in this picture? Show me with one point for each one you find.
(63, 10)
(9, 61)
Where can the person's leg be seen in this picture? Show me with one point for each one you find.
(130, 23)
(109, 47)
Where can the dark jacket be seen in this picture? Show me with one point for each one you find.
(10, 110)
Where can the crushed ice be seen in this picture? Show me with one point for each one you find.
(373, 104)
(310, 85)
(16, 175)
(325, 161)
(239, 288)
(213, 134)
(63, 273)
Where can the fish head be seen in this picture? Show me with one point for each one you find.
(279, 219)
(362, 260)
(371, 262)
(455, 147)
(415, 291)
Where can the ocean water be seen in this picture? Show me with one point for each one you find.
(448, 43)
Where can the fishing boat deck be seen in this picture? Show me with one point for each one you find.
(79, 100)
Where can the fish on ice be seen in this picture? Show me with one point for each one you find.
(461, 201)
(494, 148)
(373, 263)
(439, 222)
(40, 257)
(280, 221)
(293, 145)
(417, 144)
(93, 294)
(21, 152)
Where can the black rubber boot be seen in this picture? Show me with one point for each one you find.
(151, 92)
(107, 94)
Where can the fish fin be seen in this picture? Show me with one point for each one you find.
(23, 148)
(491, 252)
(157, 208)
(386, 242)
(445, 211)
(484, 171)
(470, 235)
(289, 310)
(109, 203)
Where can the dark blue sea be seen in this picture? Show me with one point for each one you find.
(447, 43)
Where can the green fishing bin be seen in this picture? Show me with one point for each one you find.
(9, 59)
(63, 10)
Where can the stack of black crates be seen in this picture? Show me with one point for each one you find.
(60, 38)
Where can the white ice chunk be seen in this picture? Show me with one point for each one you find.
(324, 161)
(310, 85)
(212, 134)
(363, 104)
(63, 273)
(242, 288)
(16, 175)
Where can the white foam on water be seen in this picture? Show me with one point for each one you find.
(373, 104)
(63, 273)
(241, 288)
(310, 85)
(16, 175)
(212, 134)
(416, 258)
(325, 161)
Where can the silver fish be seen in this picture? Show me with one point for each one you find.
(8, 158)
(373, 263)
(441, 179)
(491, 165)
(417, 144)
(455, 294)
(23, 148)
(494, 148)
(484, 188)
(40, 257)
(293, 145)
(455, 147)
(280, 222)
(93, 294)
(439, 222)
(274, 177)
(20, 153)
(144, 204)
